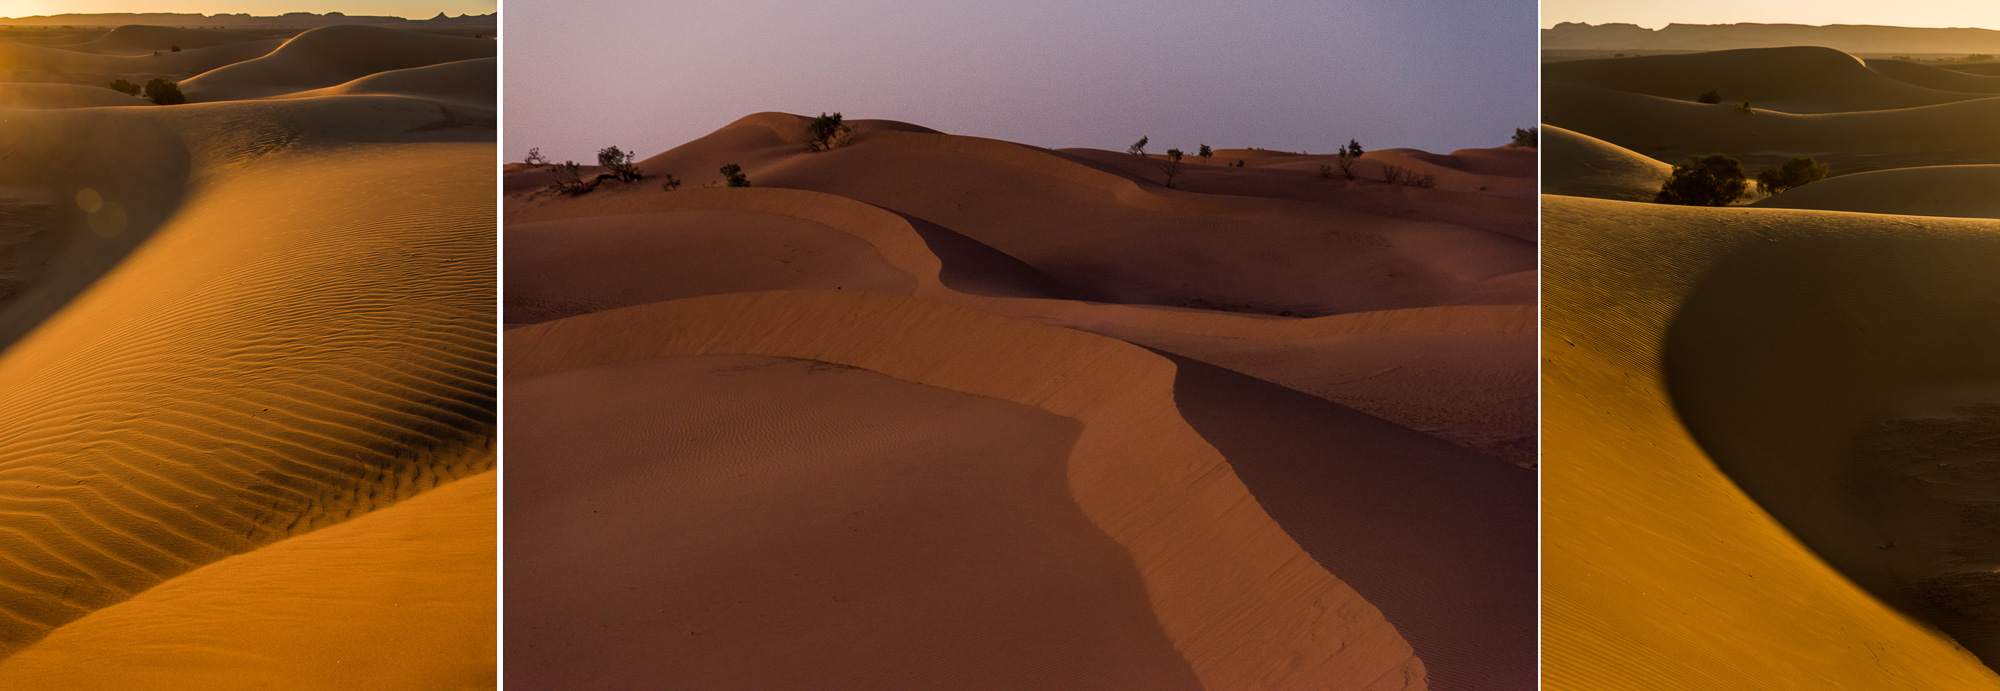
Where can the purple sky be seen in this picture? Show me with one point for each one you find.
(1294, 75)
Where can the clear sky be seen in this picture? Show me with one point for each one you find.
(648, 75)
(414, 9)
(1653, 14)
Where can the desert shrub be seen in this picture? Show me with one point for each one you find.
(1326, 171)
(1395, 174)
(163, 92)
(175, 49)
(125, 87)
(826, 132)
(568, 178)
(1349, 156)
(535, 158)
(670, 183)
(1238, 163)
(1204, 152)
(733, 175)
(619, 163)
(1139, 147)
(1710, 96)
(1744, 108)
(1712, 180)
(1529, 137)
(1798, 171)
(1171, 166)
(1424, 180)
(1979, 57)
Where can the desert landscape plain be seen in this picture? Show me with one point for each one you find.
(1773, 428)
(927, 410)
(247, 358)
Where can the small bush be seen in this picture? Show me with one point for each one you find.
(1744, 108)
(1239, 163)
(175, 49)
(826, 132)
(1349, 156)
(1798, 171)
(568, 179)
(1138, 148)
(1171, 166)
(535, 158)
(125, 87)
(733, 175)
(619, 163)
(1712, 180)
(1530, 137)
(164, 92)
(1979, 57)
(670, 183)
(1710, 96)
(1204, 152)
(1395, 174)
(1326, 171)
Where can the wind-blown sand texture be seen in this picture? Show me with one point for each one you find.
(935, 411)
(247, 359)
(1773, 453)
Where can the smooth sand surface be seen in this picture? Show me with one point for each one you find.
(1579, 165)
(1770, 426)
(227, 327)
(1265, 429)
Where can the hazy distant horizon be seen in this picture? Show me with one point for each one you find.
(1654, 14)
(1287, 75)
(264, 8)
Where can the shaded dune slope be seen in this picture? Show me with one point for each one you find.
(466, 81)
(213, 390)
(139, 39)
(1579, 165)
(1792, 80)
(1230, 589)
(1950, 191)
(1935, 77)
(329, 56)
(1645, 306)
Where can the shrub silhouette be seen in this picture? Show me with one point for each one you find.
(733, 174)
(619, 163)
(125, 87)
(826, 132)
(1204, 152)
(1712, 180)
(1798, 171)
(1529, 137)
(1349, 155)
(568, 178)
(175, 49)
(1171, 166)
(1326, 171)
(1138, 147)
(1239, 163)
(164, 92)
(1710, 96)
(671, 183)
(535, 158)
(1744, 108)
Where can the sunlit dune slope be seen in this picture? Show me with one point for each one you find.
(1960, 132)
(42, 63)
(465, 81)
(1792, 80)
(1936, 77)
(1953, 191)
(329, 56)
(398, 598)
(1580, 165)
(1235, 596)
(264, 319)
(1729, 395)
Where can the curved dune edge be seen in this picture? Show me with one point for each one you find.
(1138, 471)
(1579, 165)
(1659, 572)
(330, 56)
(1800, 79)
(398, 598)
(220, 389)
(1938, 191)
(1223, 339)
(474, 81)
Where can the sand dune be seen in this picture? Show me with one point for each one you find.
(145, 40)
(1665, 549)
(1791, 80)
(329, 56)
(1937, 77)
(1953, 191)
(1584, 166)
(1771, 424)
(1208, 503)
(464, 81)
(228, 326)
